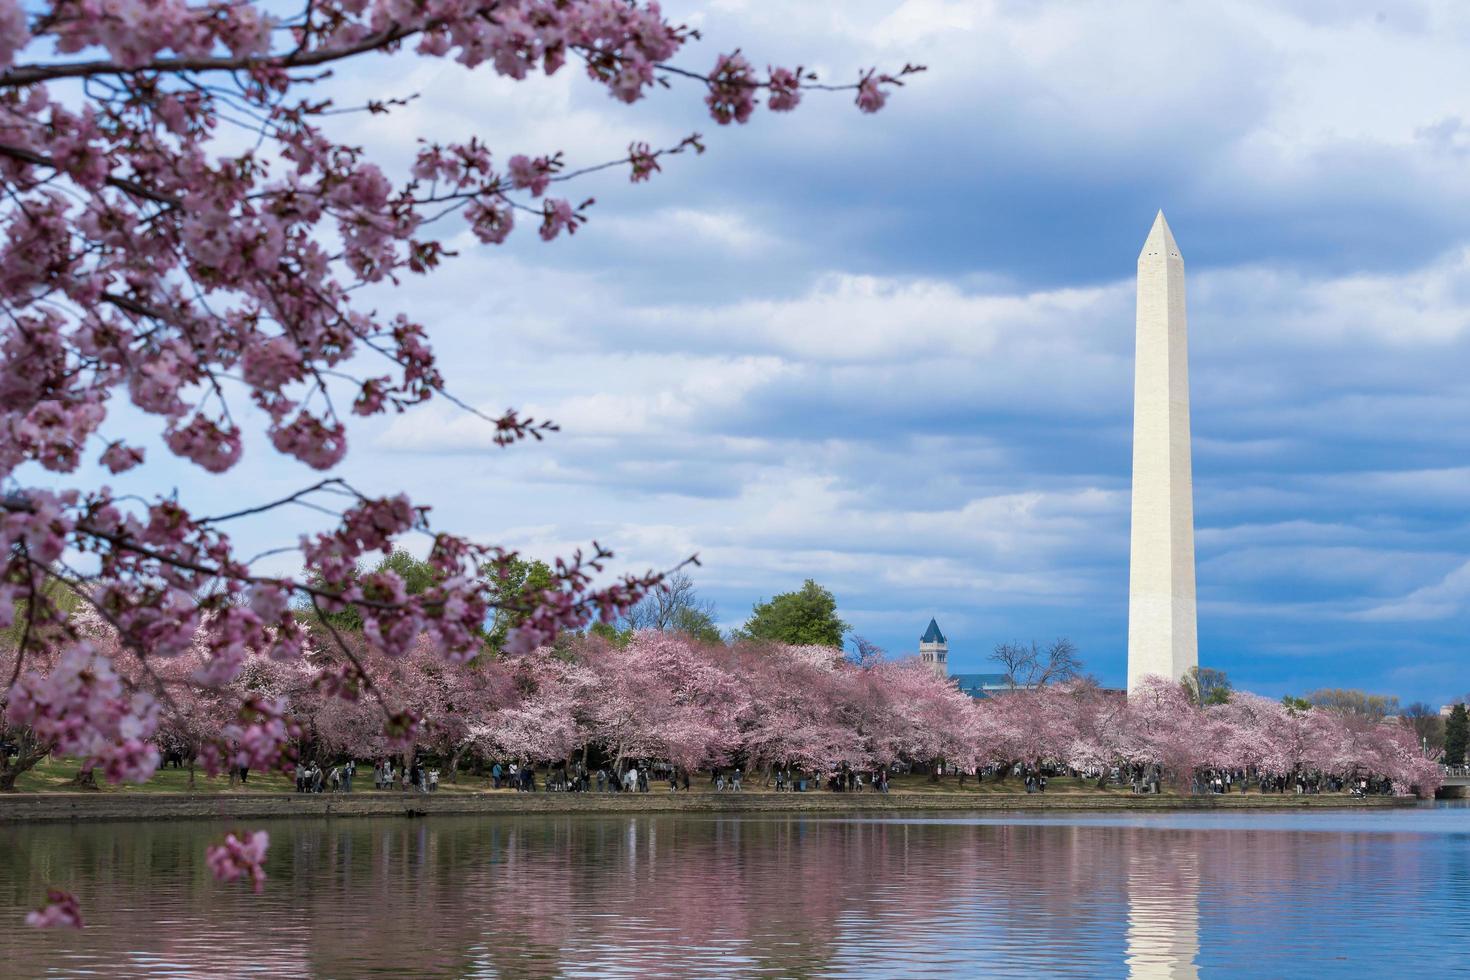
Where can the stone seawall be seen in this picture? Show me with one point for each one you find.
(41, 807)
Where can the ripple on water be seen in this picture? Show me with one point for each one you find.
(1013, 895)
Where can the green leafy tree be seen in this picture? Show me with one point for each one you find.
(515, 586)
(1208, 686)
(611, 633)
(1295, 704)
(1456, 736)
(417, 575)
(807, 616)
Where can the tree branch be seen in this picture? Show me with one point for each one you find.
(121, 183)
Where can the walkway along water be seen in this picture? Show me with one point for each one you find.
(39, 807)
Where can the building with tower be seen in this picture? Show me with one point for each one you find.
(934, 649)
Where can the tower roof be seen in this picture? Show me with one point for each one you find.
(932, 634)
(1160, 240)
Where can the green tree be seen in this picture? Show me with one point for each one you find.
(1208, 686)
(515, 586)
(417, 575)
(1456, 735)
(1296, 705)
(610, 633)
(807, 616)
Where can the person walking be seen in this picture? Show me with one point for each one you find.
(495, 776)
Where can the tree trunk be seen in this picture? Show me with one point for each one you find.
(191, 773)
(27, 755)
(14, 768)
(454, 764)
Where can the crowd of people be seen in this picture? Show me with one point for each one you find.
(641, 776)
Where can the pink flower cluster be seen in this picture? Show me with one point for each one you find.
(732, 89)
(80, 706)
(61, 911)
(240, 856)
(263, 737)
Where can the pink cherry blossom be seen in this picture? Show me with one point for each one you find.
(119, 458)
(61, 911)
(558, 215)
(870, 97)
(530, 175)
(213, 445)
(785, 86)
(14, 35)
(239, 856)
(732, 89)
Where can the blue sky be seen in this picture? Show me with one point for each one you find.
(893, 353)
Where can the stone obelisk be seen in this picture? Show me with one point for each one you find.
(1162, 636)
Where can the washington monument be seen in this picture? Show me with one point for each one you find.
(1162, 636)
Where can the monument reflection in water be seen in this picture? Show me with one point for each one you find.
(1163, 911)
(1166, 896)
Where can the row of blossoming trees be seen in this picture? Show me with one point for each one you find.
(664, 696)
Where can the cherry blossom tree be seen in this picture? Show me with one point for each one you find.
(184, 229)
(796, 702)
(904, 711)
(538, 719)
(146, 253)
(665, 696)
(1093, 739)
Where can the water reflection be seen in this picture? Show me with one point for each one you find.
(1163, 911)
(779, 896)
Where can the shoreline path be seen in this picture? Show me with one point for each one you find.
(62, 807)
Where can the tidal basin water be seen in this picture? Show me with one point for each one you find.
(1158, 895)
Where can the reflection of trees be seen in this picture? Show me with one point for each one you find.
(658, 895)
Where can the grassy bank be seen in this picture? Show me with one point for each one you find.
(48, 794)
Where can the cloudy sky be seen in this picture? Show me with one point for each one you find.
(893, 353)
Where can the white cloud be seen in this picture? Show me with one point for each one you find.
(1445, 599)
